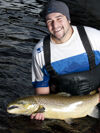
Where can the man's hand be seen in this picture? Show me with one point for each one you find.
(99, 94)
(39, 91)
(38, 116)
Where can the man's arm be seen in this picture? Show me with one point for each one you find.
(40, 77)
(42, 90)
(99, 94)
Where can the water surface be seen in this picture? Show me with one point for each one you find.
(21, 27)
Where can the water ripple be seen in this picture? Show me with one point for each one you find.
(21, 27)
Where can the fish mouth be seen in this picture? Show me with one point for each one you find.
(12, 107)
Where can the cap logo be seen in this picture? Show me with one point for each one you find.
(51, 10)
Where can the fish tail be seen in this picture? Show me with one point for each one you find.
(95, 112)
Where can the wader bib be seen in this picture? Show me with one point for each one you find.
(78, 83)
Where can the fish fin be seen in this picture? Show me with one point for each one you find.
(92, 92)
(41, 109)
(68, 121)
(63, 94)
(95, 113)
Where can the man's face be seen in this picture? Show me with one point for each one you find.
(58, 25)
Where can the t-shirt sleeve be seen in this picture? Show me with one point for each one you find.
(40, 77)
(94, 38)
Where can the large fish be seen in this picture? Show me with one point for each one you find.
(56, 106)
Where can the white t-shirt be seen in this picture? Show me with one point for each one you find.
(66, 58)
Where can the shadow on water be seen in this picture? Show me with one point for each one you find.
(22, 124)
(21, 27)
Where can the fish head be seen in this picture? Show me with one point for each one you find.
(22, 106)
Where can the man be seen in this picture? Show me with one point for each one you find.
(64, 54)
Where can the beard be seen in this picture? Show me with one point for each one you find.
(60, 37)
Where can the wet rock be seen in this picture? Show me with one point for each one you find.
(23, 124)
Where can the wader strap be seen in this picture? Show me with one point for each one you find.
(87, 46)
(47, 56)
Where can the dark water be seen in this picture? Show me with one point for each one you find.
(21, 27)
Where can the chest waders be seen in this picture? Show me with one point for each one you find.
(78, 83)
